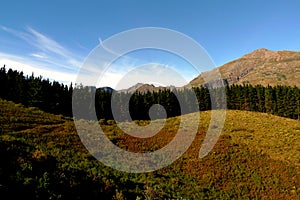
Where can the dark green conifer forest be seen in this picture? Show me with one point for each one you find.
(56, 98)
(43, 157)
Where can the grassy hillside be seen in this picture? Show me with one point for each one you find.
(256, 157)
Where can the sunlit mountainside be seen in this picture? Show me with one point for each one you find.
(260, 67)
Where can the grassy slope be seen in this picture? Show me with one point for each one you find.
(257, 156)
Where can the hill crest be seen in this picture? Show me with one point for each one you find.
(260, 67)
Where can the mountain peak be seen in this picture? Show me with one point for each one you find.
(261, 53)
(262, 50)
(260, 67)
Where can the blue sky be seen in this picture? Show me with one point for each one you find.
(53, 38)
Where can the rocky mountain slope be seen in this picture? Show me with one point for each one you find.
(262, 66)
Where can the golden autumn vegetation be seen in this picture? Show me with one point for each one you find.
(42, 157)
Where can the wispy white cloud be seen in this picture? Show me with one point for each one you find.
(39, 55)
(53, 60)
(46, 44)
(49, 50)
(21, 35)
(28, 67)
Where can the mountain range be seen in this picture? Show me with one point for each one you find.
(260, 67)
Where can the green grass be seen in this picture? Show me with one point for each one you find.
(256, 157)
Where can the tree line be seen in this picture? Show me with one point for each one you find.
(56, 98)
(50, 96)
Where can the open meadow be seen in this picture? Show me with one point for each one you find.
(256, 157)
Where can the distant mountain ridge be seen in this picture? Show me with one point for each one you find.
(142, 87)
(108, 89)
(260, 67)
